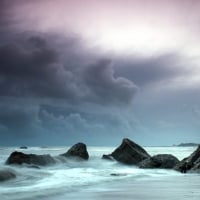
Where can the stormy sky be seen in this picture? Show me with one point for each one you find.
(98, 71)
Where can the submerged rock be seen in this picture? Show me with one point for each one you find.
(129, 153)
(118, 174)
(78, 150)
(191, 163)
(31, 159)
(6, 174)
(23, 147)
(162, 161)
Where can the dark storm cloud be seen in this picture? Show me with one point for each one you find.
(105, 87)
(29, 67)
(34, 66)
(146, 71)
(55, 89)
(87, 125)
(18, 118)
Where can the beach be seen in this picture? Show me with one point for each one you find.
(98, 179)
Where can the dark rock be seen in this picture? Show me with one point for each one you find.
(32, 159)
(23, 147)
(118, 174)
(6, 175)
(191, 163)
(187, 145)
(107, 157)
(78, 150)
(162, 161)
(129, 153)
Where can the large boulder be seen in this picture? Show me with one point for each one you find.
(162, 161)
(190, 163)
(78, 150)
(6, 174)
(129, 153)
(31, 159)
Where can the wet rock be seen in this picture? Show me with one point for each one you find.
(78, 150)
(190, 163)
(129, 153)
(6, 174)
(162, 161)
(31, 159)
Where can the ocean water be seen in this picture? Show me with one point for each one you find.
(93, 180)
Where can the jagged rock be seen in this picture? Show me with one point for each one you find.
(129, 153)
(6, 174)
(78, 150)
(162, 161)
(31, 159)
(191, 163)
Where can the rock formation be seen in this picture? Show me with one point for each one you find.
(6, 174)
(31, 159)
(78, 150)
(191, 163)
(162, 161)
(128, 153)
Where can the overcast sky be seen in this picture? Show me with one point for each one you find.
(97, 71)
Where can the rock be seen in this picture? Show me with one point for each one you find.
(6, 174)
(191, 163)
(162, 161)
(23, 147)
(31, 159)
(78, 150)
(129, 153)
(187, 145)
(196, 168)
(107, 157)
(118, 174)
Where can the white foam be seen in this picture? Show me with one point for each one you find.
(73, 177)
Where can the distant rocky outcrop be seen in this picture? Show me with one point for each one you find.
(6, 174)
(190, 163)
(20, 158)
(78, 150)
(128, 153)
(187, 145)
(162, 161)
(23, 147)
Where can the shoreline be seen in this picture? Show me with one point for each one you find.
(185, 187)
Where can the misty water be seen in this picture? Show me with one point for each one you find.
(93, 180)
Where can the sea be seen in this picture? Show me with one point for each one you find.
(98, 179)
